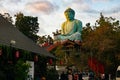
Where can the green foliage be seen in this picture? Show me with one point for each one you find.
(45, 38)
(8, 17)
(21, 70)
(28, 25)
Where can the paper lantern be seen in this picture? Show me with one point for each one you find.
(50, 61)
(0, 52)
(17, 54)
(36, 58)
(61, 62)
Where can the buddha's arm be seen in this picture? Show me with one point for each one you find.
(62, 29)
(79, 26)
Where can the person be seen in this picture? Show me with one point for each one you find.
(80, 75)
(91, 75)
(70, 75)
(43, 78)
(63, 76)
(71, 29)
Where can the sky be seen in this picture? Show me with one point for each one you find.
(50, 13)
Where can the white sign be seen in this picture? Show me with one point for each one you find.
(31, 70)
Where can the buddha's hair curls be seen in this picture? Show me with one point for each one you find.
(70, 10)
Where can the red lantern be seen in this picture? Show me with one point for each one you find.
(17, 54)
(61, 62)
(50, 61)
(36, 58)
(0, 52)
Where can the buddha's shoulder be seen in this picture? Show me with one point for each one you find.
(75, 21)
(78, 21)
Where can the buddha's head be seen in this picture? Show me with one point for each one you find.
(69, 14)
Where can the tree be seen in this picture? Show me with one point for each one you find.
(21, 70)
(103, 42)
(28, 25)
(8, 17)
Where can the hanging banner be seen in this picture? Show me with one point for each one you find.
(95, 65)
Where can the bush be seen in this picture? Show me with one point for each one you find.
(21, 70)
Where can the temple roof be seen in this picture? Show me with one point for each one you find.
(11, 36)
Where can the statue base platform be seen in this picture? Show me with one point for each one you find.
(65, 43)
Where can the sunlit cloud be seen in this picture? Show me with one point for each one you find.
(3, 10)
(80, 5)
(41, 6)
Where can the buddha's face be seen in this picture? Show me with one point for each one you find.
(69, 16)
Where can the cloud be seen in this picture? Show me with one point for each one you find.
(100, 0)
(14, 1)
(42, 31)
(42, 7)
(91, 11)
(3, 10)
(113, 10)
(10, 2)
(86, 7)
(80, 5)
